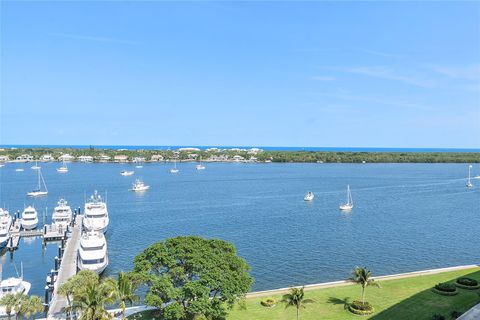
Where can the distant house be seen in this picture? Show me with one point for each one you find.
(254, 151)
(24, 158)
(120, 158)
(4, 158)
(138, 159)
(66, 157)
(188, 149)
(215, 158)
(85, 159)
(192, 156)
(238, 158)
(156, 157)
(253, 159)
(46, 158)
(103, 158)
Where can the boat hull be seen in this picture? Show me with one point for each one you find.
(29, 225)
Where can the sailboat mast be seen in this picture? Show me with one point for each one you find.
(469, 168)
(43, 180)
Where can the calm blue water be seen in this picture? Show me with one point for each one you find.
(407, 216)
(337, 149)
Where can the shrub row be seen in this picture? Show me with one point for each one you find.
(445, 287)
(269, 302)
(467, 283)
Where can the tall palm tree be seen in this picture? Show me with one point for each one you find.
(8, 301)
(92, 299)
(30, 306)
(76, 284)
(296, 298)
(124, 291)
(363, 277)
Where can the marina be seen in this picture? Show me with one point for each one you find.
(240, 203)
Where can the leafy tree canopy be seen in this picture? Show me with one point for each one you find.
(190, 276)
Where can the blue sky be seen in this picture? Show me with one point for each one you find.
(324, 74)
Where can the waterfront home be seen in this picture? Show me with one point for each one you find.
(120, 158)
(156, 157)
(24, 158)
(46, 158)
(66, 157)
(238, 158)
(252, 159)
(85, 159)
(4, 158)
(138, 159)
(215, 158)
(103, 158)
(192, 156)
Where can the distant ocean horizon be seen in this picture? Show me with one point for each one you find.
(269, 148)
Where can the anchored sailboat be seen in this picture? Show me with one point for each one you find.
(35, 167)
(349, 205)
(174, 169)
(63, 168)
(469, 182)
(38, 192)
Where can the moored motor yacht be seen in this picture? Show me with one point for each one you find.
(309, 196)
(127, 173)
(13, 285)
(96, 214)
(29, 218)
(139, 186)
(62, 215)
(5, 224)
(92, 253)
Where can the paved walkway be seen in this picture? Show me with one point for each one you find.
(68, 268)
(472, 314)
(346, 283)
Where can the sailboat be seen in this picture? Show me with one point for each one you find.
(469, 182)
(200, 166)
(309, 196)
(63, 168)
(349, 205)
(37, 192)
(174, 169)
(35, 167)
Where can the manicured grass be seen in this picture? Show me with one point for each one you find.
(399, 299)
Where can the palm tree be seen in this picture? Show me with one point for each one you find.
(295, 298)
(92, 299)
(30, 306)
(363, 277)
(8, 301)
(76, 284)
(124, 291)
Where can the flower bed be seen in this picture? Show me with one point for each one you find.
(357, 307)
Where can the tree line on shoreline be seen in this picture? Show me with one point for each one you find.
(246, 155)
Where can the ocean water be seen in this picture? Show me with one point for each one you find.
(406, 217)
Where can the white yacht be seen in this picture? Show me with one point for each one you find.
(36, 166)
(349, 204)
(200, 166)
(96, 214)
(309, 196)
(139, 186)
(127, 173)
(38, 192)
(93, 253)
(29, 218)
(13, 285)
(62, 215)
(63, 168)
(469, 182)
(5, 224)
(174, 169)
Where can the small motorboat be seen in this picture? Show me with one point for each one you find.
(309, 196)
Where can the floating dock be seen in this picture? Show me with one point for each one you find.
(68, 268)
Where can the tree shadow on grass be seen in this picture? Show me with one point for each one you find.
(423, 305)
(336, 301)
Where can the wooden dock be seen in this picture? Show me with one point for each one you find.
(68, 268)
(14, 239)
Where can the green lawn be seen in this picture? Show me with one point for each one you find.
(400, 299)
(408, 298)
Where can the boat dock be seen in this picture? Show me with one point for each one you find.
(67, 269)
(48, 233)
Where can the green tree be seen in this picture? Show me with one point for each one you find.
(9, 301)
(30, 306)
(296, 298)
(191, 276)
(124, 291)
(92, 299)
(363, 277)
(76, 284)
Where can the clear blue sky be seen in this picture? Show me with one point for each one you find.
(371, 74)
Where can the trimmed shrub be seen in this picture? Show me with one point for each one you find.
(446, 287)
(269, 302)
(467, 283)
(357, 307)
